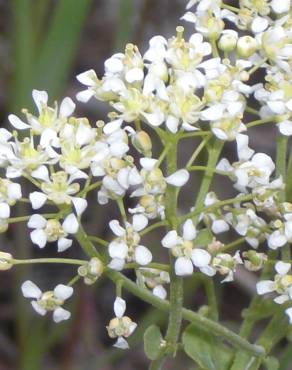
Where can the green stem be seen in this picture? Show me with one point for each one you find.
(209, 169)
(68, 261)
(153, 227)
(261, 121)
(214, 152)
(98, 240)
(163, 305)
(215, 205)
(198, 151)
(89, 188)
(176, 282)
(257, 66)
(13, 220)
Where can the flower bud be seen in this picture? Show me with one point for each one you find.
(246, 46)
(254, 261)
(91, 271)
(228, 40)
(5, 261)
(142, 142)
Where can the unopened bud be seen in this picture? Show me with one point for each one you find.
(254, 261)
(5, 261)
(91, 271)
(228, 40)
(246, 46)
(142, 142)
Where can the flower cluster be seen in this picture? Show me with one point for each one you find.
(179, 88)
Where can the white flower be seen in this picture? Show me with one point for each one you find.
(52, 230)
(60, 189)
(282, 283)
(121, 326)
(48, 301)
(127, 247)
(187, 255)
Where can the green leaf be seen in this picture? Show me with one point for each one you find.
(205, 350)
(152, 342)
(203, 238)
(271, 363)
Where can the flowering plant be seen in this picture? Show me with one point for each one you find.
(196, 89)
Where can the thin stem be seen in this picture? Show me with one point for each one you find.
(13, 220)
(67, 261)
(153, 227)
(232, 245)
(209, 169)
(98, 240)
(74, 280)
(194, 134)
(163, 305)
(162, 155)
(215, 51)
(257, 66)
(88, 188)
(214, 152)
(252, 111)
(198, 151)
(231, 8)
(122, 209)
(216, 205)
(157, 266)
(261, 121)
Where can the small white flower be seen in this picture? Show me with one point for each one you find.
(120, 327)
(48, 301)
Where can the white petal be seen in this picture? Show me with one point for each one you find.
(282, 268)
(160, 292)
(170, 240)
(116, 264)
(14, 191)
(259, 24)
(148, 163)
(276, 240)
(189, 230)
(85, 95)
(121, 343)
(67, 107)
(288, 312)
(70, 224)
(116, 228)
(134, 74)
(281, 299)
(17, 122)
(179, 178)
(80, 204)
(38, 308)
(41, 173)
(37, 221)
(243, 150)
(4, 210)
(87, 78)
(277, 107)
(60, 314)
(143, 256)
(265, 286)
(37, 199)
(200, 257)
(112, 126)
(280, 6)
(40, 98)
(285, 128)
(213, 113)
(219, 226)
(139, 222)
(30, 290)
(113, 65)
(183, 266)
(39, 237)
(118, 250)
(64, 244)
(119, 307)
(63, 292)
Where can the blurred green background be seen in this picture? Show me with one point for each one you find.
(43, 45)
